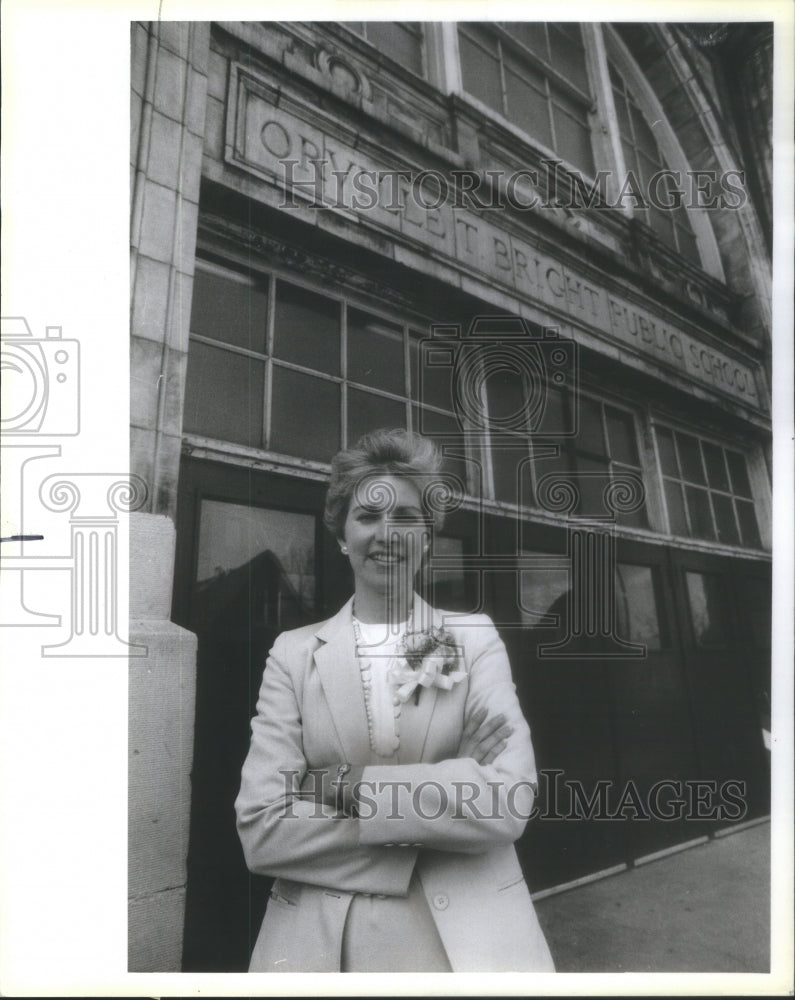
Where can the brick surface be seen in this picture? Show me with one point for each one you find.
(191, 166)
(139, 44)
(150, 298)
(170, 84)
(157, 225)
(146, 361)
(142, 452)
(195, 102)
(155, 932)
(217, 72)
(162, 688)
(175, 365)
(175, 36)
(214, 129)
(152, 542)
(178, 320)
(165, 151)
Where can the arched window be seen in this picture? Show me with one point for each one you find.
(665, 213)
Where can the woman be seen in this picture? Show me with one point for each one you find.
(390, 768)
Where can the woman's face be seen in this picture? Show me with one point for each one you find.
(385, 532)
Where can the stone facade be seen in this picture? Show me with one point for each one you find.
(196, 89)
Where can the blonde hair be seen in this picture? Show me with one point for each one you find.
(390, 452)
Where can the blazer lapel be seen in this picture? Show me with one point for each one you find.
(415, 720)
(339, 673)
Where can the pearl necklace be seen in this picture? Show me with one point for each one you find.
(384, 738)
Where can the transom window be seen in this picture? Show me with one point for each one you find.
(534, 74)
(707, 489)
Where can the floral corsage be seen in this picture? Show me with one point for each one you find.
(427, 659)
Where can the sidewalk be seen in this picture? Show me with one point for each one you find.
(704, 909)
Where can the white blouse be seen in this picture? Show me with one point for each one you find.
(377, 653)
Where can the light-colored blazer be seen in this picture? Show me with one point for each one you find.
(456, 822)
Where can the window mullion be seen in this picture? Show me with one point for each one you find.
(503, 84)
(268, 387)
(596, 59)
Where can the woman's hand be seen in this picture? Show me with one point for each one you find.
(318, 785)
(484, 738)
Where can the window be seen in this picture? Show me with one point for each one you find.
(400, 40)
(280, 367)
(533, 74)
(605, 446)
(643, 158)
(707, 490)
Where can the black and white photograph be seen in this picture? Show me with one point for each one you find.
(397, 530)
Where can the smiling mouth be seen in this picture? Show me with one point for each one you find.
(386, 559)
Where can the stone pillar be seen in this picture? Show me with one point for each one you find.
(162, 690)
(169, 94)
(168, 98)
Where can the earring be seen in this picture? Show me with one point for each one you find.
(344, 549)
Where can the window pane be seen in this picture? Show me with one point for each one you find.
(505, 391)
(375, 352)
(677, 521)
(307, 329)
(724, 516)
(532, 36)
(224, 395)
(748, 524)
(717, 476)
(439, 424)
(308, 431)
(644, 137)
(544, 593)
(739, 473)
(259, 561)
(402, 42)
(690, 457)
(700, 515)
(665, 445)
(512, 481)
(367, 412)
(480, 72)
(621, 434)
(591, 487)
(553, 419)
(622, 113)
(447, 582)
(688, 245)
(707, 610)
(568, 55)
(229, 310)
(573, 138)
(433, 384)
(591, 437)
(527, 102)
(660, 222)
(636, 605)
